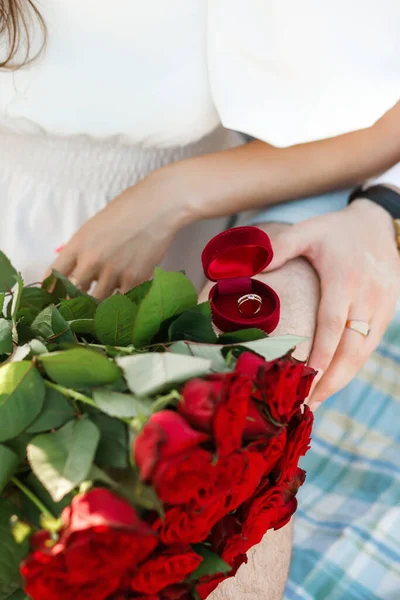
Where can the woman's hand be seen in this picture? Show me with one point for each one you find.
(120, 246)
(355, 255)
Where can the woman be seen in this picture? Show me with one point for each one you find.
(111, 143)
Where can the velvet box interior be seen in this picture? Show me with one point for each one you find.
(231, 259)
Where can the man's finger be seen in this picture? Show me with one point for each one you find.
(331, 320)
(353, 351)
(289, 244)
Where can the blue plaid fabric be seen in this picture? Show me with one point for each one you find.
(347, 528)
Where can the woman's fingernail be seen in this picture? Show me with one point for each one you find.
(60, 248)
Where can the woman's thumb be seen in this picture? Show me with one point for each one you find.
(289, 244)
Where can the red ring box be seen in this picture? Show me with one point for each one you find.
(231, 259)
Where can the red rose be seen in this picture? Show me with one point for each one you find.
(199, 400)
(206, 489)
(208, 584)
(176, 592)
(189, 524)
(250, 364)
(271, 450)
(189, 477)
(164, 568)
(258, 425)
(260, 514)
(164, 436)
(218, 405)
(240, 475)
(100, 520)
(230, 415)
(282, 385)
(289, 490)
(196, 477)
(225, 539)
(297, 445)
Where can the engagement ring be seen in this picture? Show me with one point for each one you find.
(249, 305)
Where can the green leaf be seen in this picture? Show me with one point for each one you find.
(82, 307)
(31, 512)
(8, 465)
(6, 340)
(122, 406)
(80, 368)
(114, 321)
(56, 412)
(62, 331)
(24, 333)
(11, 553)
(62, 460)
(244, 335)
(35, 298)
(194, 325)
(19, 594)
(55, 287)
(51, 325)
(207, 351)
(83, 327)
(32, 348)
(19, 445)
(112, 451)
(138, 293)
(274, 347)
(8, 275)
(2, 299)
(211, 564)
(16, 299)
(154, 372)
(27, 315)
(61, 287)
(169, 296)
(21, 398)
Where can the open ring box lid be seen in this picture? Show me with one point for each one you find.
(231, 259)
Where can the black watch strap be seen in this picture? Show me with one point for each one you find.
(386, 197)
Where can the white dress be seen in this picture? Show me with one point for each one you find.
(122, 90)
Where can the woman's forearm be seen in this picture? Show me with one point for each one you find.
(257, 174)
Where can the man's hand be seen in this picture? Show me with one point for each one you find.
(355, 255)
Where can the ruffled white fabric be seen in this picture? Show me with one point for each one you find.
(51, 185)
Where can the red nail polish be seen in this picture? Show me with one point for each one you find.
(60, 249)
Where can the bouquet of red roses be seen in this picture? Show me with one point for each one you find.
(141, 455)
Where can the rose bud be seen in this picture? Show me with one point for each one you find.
(199, 400)
(165, 435)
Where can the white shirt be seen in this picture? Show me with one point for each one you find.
(167, 72)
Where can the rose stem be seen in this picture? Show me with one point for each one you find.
(29, 494)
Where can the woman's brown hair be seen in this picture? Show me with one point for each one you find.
(16, 18)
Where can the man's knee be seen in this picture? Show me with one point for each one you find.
(265, 575)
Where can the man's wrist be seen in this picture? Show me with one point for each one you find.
(384, 221)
